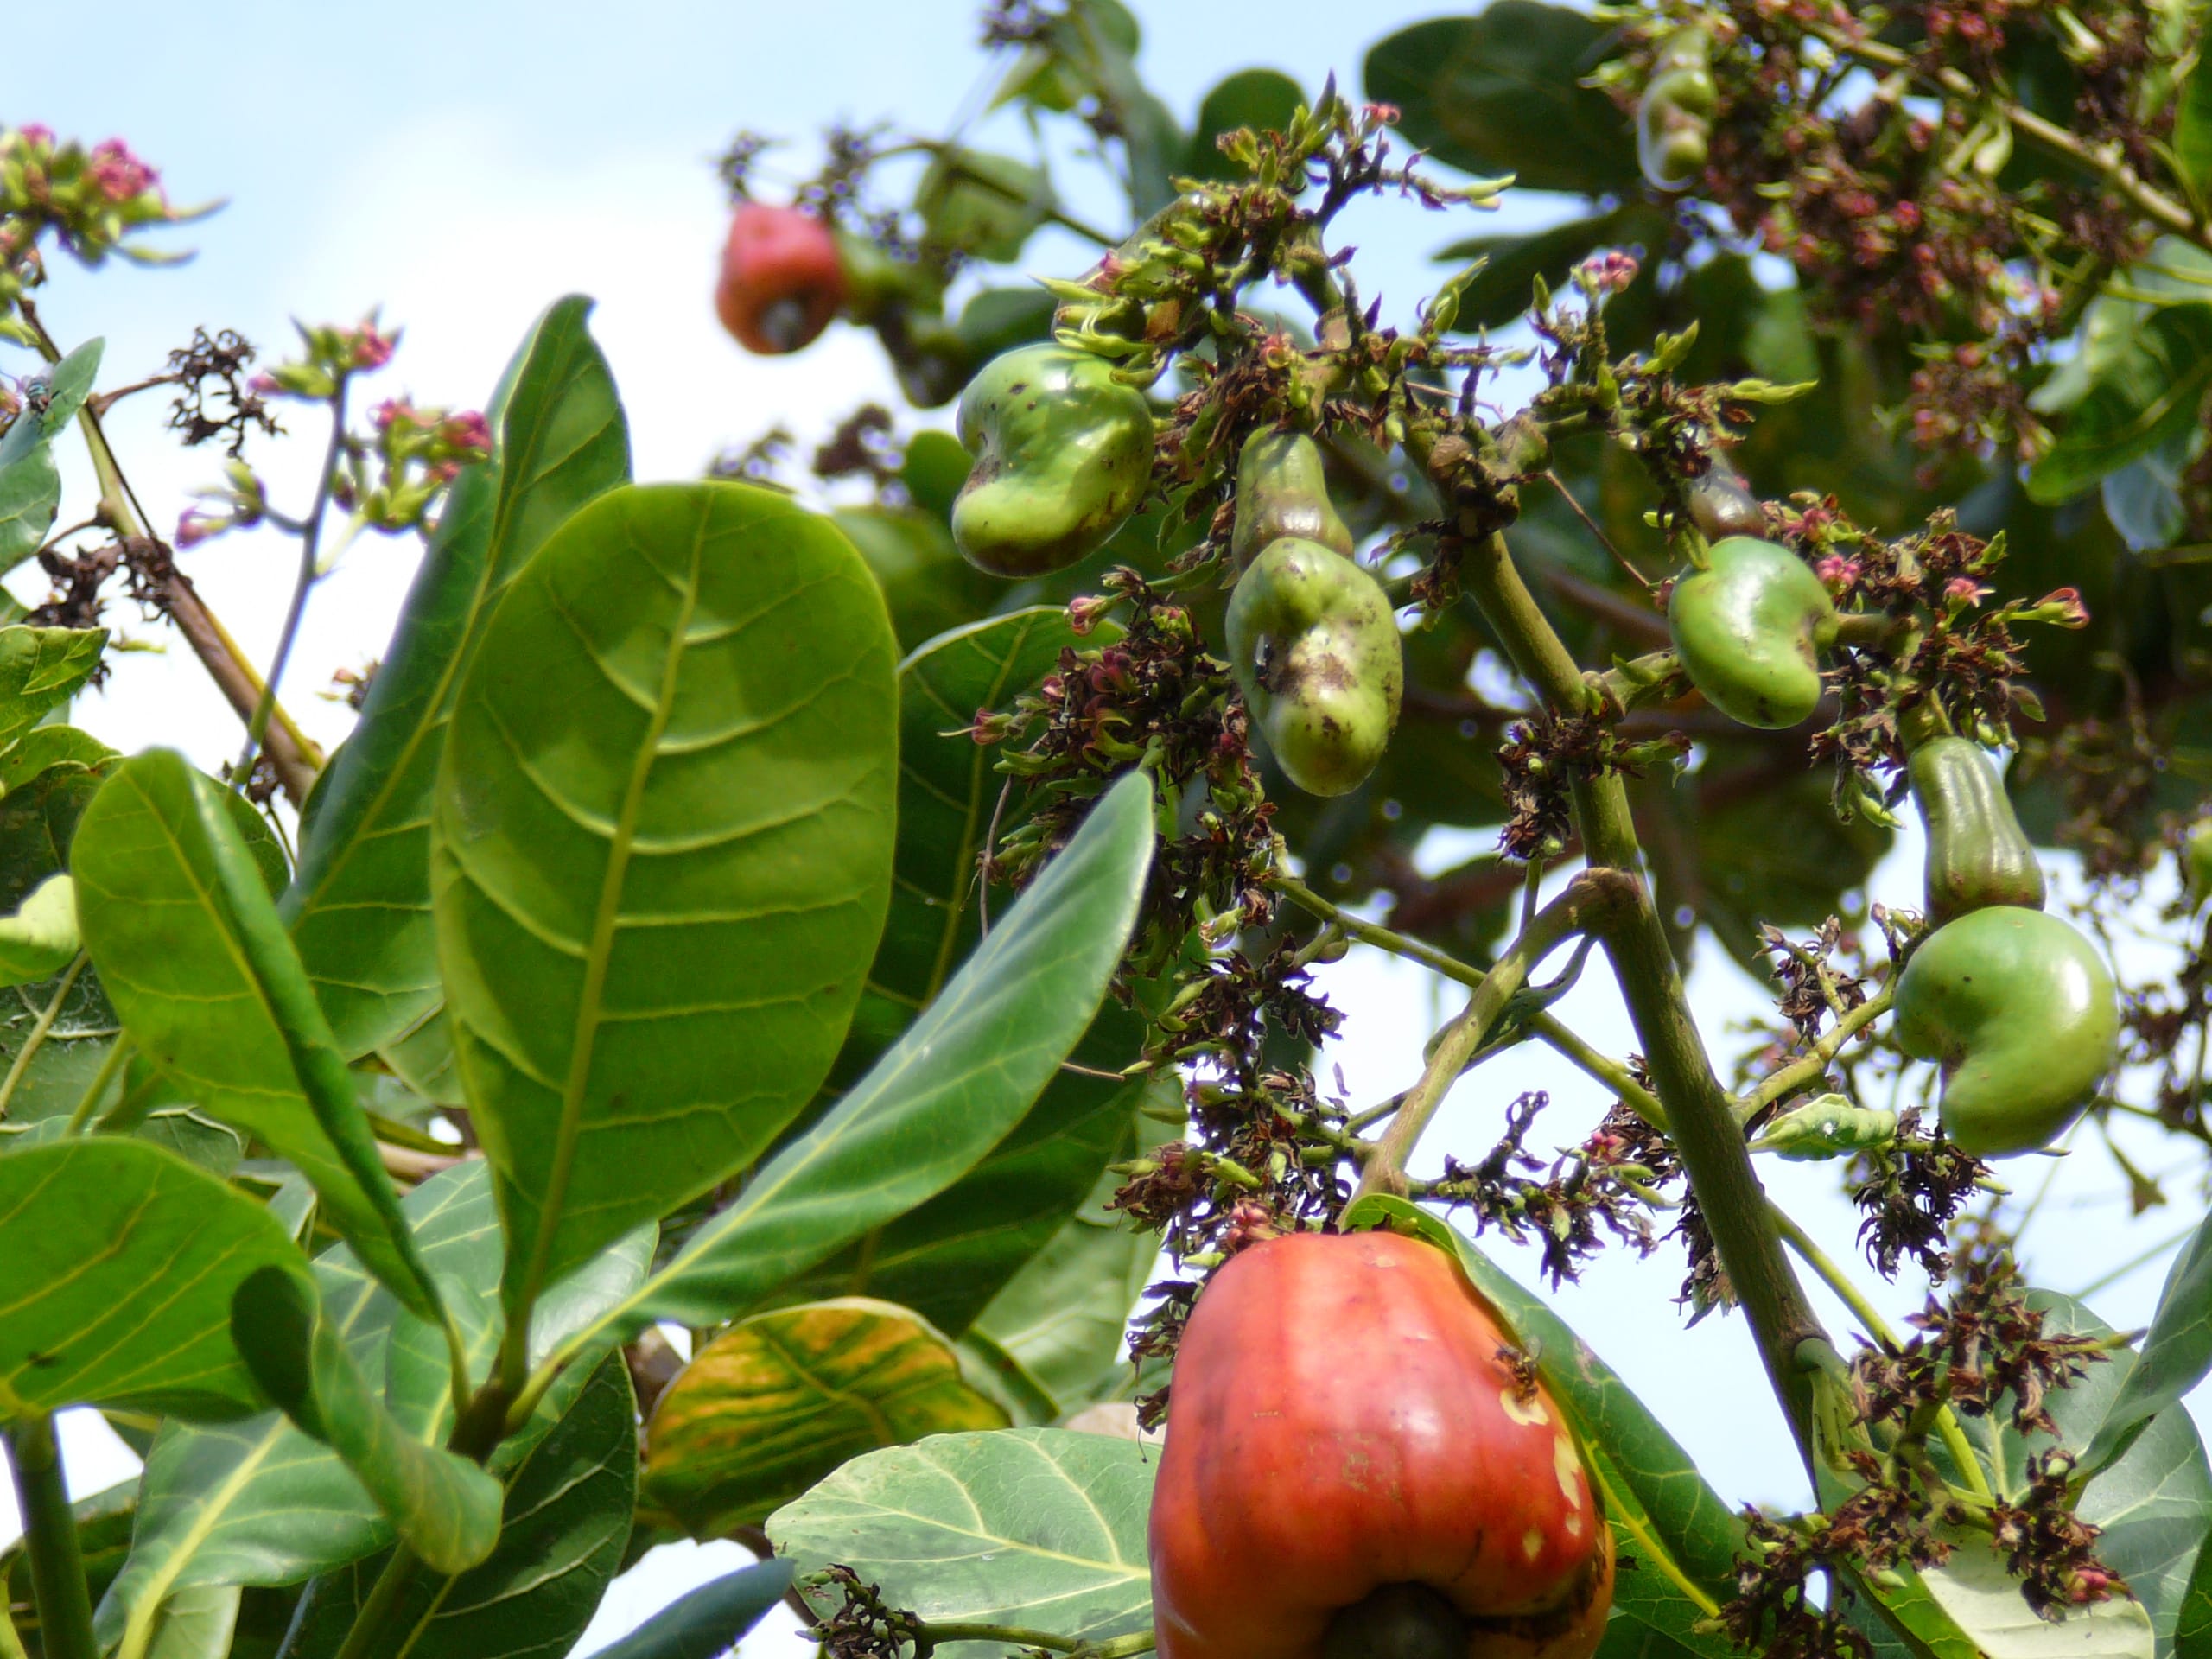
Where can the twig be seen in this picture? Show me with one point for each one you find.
(65, 1607)
(1597, 531)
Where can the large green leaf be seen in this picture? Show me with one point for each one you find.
(179, 920)
(708, 1620)
(1501, 92)
(2174, 1356)
(30, 482)
(2193, 125)
(661, 853)
(444, 1507)
(565, 1519)
(766, 1409)
(2148, 390)
(1983, 1600)
(961, 1078)
(120, 1262)
(1035, 1527)
(360, 905)
(229, 1504)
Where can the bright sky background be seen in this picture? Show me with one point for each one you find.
(467, 167)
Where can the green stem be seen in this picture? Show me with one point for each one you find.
(933, 1634)
(1555, 1032)
(1703, 1121)
(1590, 900)
(81, 1118)
(36, 1040)
(1833, 1275)
(1814, 1065)
(384, 1596)
(65, 1606)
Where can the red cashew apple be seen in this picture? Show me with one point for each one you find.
(782, 278)
(1359, 1465)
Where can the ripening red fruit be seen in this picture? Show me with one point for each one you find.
(782, 280)
(1355, 1469)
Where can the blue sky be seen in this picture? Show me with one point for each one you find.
(465, 166)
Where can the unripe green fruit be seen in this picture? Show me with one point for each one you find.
(1750, 629)
(1673, 118)
(1063, 455)
(1399, 1621)
(1281, 490)
(1316, 650)
(2020, 1012)
(1977, 855)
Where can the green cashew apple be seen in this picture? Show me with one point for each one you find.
(1281, 491)
(1673, 118)
(2019, 1011)
(1063, 455)
(1750, 629)
(1977, 855)
(1316, 649)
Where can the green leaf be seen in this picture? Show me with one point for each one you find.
(1501, 290)
(1266, 100)
(2147, 392)
(121, 1261)
(225, 1505)
(1064, 1319)
(708, 1620)
(39, 939)
(1501, 92)
(1035, 1527)
(360, 907)
(927, 586)
(1685, 1538)
(981, 205)
(43, 748)
(663, 839)
(179, 919)
(1984, 1601)
(927, 1113)
(765, 1410)
(39, 668)
(2192, 139)
(30, 482)
(2193, 1621)
(2175, 1354)
(444, 1507)
(564, 1519)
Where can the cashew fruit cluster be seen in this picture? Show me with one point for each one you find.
(783, 278)
(1673, 118)
(1354, 1469)
(1750, 629)
(1063, 455)
(1315, 650)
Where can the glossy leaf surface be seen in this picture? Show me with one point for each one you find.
(663, 841)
